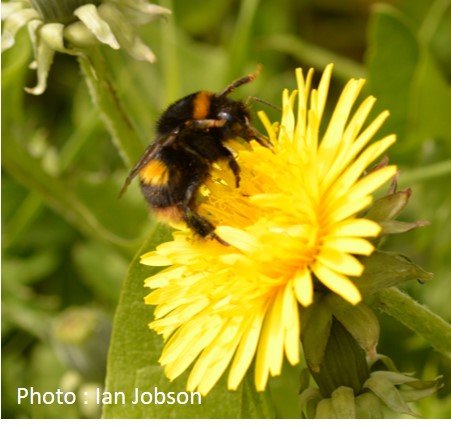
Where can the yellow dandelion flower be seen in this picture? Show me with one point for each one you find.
(292, 222)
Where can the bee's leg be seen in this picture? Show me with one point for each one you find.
(196, 222)
(262, 140)
(192, 218)
(252, 133)
(206, 123)
(235, 168)
(233, 164)
(200, 225)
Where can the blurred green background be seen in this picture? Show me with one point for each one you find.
(68, 239)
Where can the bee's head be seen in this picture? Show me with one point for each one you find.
(235, 113)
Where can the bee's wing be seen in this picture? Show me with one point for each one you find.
(148, 155)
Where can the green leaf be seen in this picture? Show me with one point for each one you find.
(124, 217)
(285, 389)
(382, 270)
(388, 393)
(88, 207)
(386, 269)
(431, 104)
(133, 362)
(132, 347)
(392, 57)
(199, 16)
(405, 78)
(254, 404)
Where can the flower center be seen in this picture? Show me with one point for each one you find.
(61, 11)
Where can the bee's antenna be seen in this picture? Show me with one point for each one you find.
(255, 98)
(241, 81)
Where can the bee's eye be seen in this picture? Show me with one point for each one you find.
(225, 115)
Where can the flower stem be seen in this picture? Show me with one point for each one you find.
(416, 317)
(169, 57)
(344, 363)
(435, 170)
(118, 123)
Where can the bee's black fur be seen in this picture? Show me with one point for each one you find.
(191, 136)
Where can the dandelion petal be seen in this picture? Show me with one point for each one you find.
(303, 287)
(337, 283)
(245, 352)
(340, 262)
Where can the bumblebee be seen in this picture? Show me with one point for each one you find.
(191, 136)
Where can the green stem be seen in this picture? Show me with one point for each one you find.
(432, 19)
(74, 145)
(24, 216)
(169, 56)
(118, 123)
(56, 193)
(436, 170)
(416, 317)
(315, 56)
(240, 41)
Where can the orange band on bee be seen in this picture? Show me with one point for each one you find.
(170, 214)
(201, 105)
(154, 173)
